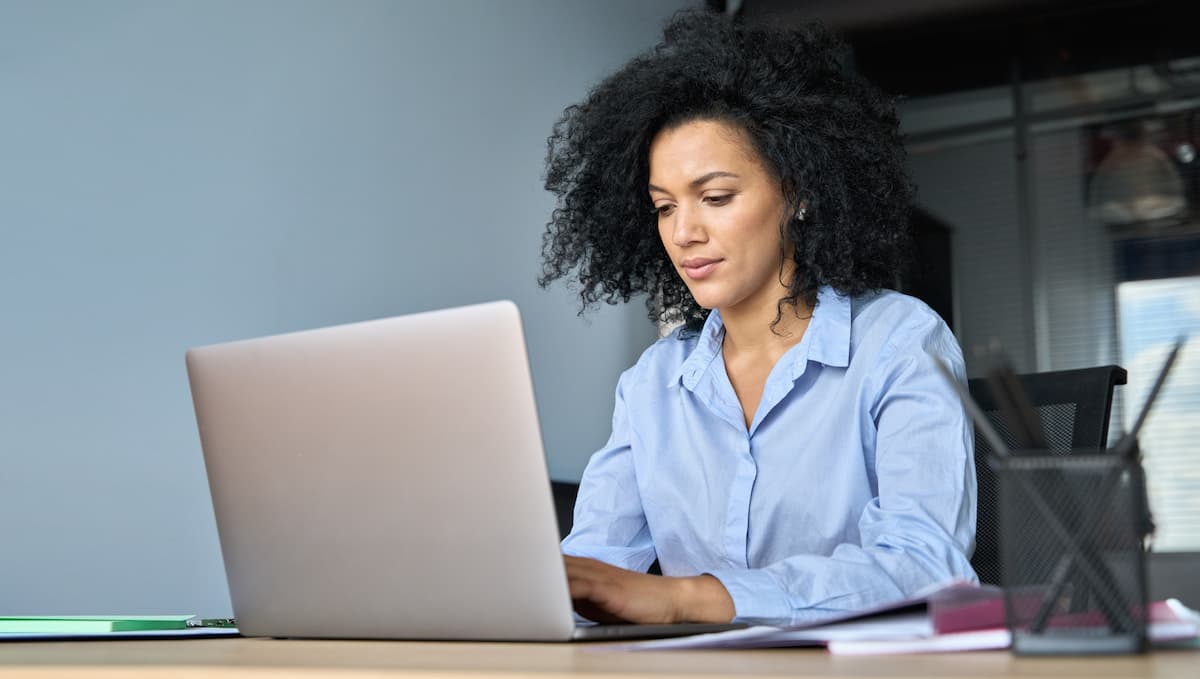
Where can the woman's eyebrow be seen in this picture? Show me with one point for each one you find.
(699, 181)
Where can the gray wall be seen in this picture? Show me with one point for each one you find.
(181, 173)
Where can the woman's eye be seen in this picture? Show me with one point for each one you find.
(718, 200)
(663, 210)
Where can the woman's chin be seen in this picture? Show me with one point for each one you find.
(709, 297)
(707, 303)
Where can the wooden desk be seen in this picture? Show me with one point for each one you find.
(266, 658)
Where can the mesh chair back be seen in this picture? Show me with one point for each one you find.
(564, 504)
(1074, 408)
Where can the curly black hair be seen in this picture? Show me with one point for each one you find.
(830, 138)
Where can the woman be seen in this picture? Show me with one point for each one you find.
(790, 450)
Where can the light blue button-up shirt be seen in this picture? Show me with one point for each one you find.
(853, 486)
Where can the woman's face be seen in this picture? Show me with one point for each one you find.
(719, 216)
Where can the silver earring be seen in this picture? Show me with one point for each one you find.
(801, 213)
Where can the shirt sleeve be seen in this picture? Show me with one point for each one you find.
(609, 524)
(919, 528)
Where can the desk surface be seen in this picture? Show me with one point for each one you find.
(244, 658)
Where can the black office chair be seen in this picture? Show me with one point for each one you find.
(565, 493)
(1074, 407)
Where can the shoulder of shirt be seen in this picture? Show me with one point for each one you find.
(894, 323)
(661, 361)
(891, 309)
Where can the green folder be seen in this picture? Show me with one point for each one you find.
(90, 624)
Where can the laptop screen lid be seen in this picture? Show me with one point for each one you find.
(383, 479)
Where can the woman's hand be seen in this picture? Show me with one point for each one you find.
(605, 593)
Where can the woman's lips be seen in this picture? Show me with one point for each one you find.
(699, 268)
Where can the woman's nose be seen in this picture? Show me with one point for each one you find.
(688, 228)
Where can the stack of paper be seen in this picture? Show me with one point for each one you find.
(81, 626)
(957, 617)
(1170, 621)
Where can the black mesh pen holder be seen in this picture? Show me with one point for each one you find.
(1072, 531)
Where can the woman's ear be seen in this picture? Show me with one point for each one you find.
(797, 206)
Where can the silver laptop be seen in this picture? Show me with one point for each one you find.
(386, 480)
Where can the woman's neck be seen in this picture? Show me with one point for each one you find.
(754, 331)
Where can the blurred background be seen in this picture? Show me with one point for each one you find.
(1053, 145)
(181, 172)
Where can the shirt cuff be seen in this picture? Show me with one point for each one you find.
(757, 597)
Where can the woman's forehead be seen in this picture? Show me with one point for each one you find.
(699, 147)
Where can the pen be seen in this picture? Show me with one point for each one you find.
(1126, 445)
(1013, 402)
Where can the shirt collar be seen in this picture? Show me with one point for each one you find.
(826, 341)
(829, 331)
(708, 347)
